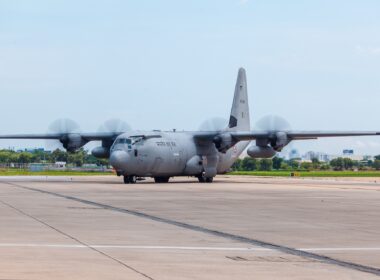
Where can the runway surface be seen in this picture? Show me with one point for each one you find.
(235, 228)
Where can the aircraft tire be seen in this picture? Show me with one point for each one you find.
(203, 179)
(132, 179)
(129, 179)
(209, 179)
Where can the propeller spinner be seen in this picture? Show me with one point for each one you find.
(70, 138)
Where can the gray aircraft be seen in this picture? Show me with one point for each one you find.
(201, 154)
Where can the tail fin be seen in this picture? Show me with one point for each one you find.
(239, 118)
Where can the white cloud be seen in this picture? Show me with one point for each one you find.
(243, 2)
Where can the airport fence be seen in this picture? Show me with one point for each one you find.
(40, 167)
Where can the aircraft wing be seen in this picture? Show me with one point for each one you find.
(86, 136)
(70, 141)
(31, 136)
(300, 135)
(224, 140)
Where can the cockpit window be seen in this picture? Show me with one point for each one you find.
(136, 139)
(121, 141)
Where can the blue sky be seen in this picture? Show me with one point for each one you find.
(173, 64)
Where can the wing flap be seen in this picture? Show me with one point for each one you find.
(300, 135)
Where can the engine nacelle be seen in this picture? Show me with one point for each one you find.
(281, 141)
(72, 142)
(276, 140)
(261, 152)
(223, 142)
(101, 152)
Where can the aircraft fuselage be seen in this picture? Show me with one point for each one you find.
(166, 154)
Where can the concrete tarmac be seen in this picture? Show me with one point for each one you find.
(235, 228)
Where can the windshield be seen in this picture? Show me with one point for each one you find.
(133, 140)
(123, 141)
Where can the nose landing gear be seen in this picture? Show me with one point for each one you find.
(131, 179)
(203, 179)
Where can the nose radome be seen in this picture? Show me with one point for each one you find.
(119, 159)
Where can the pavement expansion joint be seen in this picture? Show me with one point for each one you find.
(280, 248)
(76, 240)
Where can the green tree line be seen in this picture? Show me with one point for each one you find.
(77, 158)
(251, 164)
(247, 164)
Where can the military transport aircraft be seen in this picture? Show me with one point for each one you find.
(201, 154)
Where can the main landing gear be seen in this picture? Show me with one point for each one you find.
(130, 179)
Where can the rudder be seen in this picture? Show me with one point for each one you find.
(239, 117)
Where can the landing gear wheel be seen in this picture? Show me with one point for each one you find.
(209, 179)
(203, 179)
(132, 179)
(129, 179)
(161, 179)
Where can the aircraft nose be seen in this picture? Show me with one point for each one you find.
(119, 159)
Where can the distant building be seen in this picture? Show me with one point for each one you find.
(294, 154)
(60, 164)
(309, 156)
(352, 156)
(32, 150)
(367, 158)
(348, 152)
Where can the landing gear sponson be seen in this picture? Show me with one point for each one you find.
(130, 179)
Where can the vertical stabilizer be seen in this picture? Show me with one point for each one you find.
(239, 118)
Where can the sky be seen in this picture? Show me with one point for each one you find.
(173, 64)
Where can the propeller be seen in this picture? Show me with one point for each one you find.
(272, 123)
(69, 130)
(277, 127)
(214, 124)
(114, 125)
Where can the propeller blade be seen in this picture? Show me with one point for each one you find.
(272, 123)
(61, 126)
(214, 124)
(115, 125)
